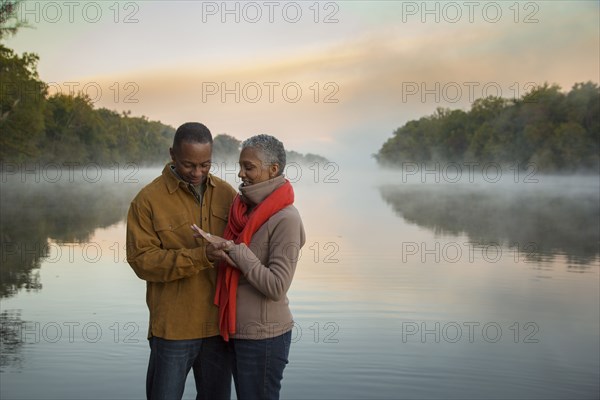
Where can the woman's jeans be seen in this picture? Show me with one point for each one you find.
(171, 361)
(258, 366)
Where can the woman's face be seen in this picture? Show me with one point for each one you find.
(253, 169)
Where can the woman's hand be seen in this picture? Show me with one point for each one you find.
(218, 252)
(207, 236)
(217, 248)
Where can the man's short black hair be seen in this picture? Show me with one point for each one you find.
(192, 132)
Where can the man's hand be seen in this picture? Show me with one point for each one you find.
(207, 236)
(218, 252)
(217, 248)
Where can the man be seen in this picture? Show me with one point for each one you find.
(179, 272)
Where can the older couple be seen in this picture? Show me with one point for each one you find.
(217, 306)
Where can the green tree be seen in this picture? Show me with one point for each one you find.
(22, 101)
(67, 128)
(225, 148)
(583, 105)
(555, 130)
(9, 22)
(72, 130)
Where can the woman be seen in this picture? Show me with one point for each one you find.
(257, 268)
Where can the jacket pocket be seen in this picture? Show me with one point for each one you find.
(220, 212)
(218, 221)
(170, 230)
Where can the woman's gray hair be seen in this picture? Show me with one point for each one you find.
(270, 149)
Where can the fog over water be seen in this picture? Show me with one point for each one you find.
(379, 270)
(547, 220)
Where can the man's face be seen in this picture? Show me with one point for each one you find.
(192, 161)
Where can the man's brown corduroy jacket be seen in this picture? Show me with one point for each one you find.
(162, 250)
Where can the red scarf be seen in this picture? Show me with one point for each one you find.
(240, 228)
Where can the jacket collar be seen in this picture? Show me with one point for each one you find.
(174, 182)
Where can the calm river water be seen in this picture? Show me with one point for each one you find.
(410, 286)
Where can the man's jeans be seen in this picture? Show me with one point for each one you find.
(258, 366)
(171, 361)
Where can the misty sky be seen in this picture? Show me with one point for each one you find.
(333, 78)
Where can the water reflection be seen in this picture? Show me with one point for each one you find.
(334, 344)
(539, 222)
(32, 214)
(11, 340)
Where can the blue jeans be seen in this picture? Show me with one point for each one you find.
(171, 361)
(258, 366)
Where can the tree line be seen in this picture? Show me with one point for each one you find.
(62, 128)
(37, 127)
(556, 131)
(41, 128)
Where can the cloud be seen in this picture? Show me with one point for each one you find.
(374, 80)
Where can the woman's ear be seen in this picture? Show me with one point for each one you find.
(273, 170)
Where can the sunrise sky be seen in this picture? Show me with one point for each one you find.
(332, 78)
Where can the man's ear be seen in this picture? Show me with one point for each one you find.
(172, 153)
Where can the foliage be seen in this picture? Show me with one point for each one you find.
(226, 148)
(22, 102)
(557, 131)
(9, 22)
(65, 129)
